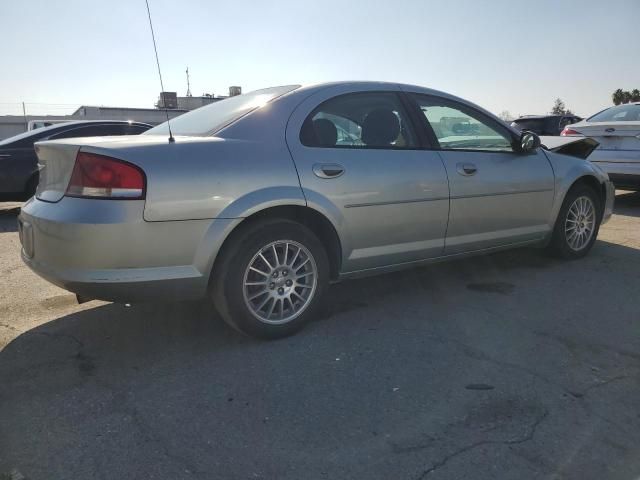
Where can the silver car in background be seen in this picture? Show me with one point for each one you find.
(260, 200)
(617, 130)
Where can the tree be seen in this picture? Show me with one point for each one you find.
(635, 95)
(505, 116)
(559, 108)
(626, 96)
(617, 96)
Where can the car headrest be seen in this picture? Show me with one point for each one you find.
(320, 132)
(326, 132)
(380, 128)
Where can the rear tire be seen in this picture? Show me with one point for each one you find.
(577, 224)
(271, 278)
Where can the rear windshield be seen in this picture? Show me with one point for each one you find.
(622, 113)
(207, 120)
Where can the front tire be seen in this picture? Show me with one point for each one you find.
(577, 224)
(271, 279)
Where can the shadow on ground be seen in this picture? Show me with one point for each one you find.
(8, 216)
(627, 204)
(514, 357)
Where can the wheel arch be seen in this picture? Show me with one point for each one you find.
(593, 182)
(317, 222)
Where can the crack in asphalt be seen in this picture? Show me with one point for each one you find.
(597, 385)
(478, 354)
(573, 345)
(516, 441)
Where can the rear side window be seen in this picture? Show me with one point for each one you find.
(93, 131)
(359, 120)
(134, 129)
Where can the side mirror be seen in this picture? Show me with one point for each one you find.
(529, 141)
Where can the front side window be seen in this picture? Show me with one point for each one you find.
(359, 120)
(459, 128)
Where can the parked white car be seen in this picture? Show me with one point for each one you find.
(617, 130)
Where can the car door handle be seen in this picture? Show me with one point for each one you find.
(466, 169)
(328, 170)
(5, 155)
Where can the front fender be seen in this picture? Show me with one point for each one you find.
(568, 170)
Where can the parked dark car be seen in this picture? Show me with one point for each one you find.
(545, 124)
(18, 160)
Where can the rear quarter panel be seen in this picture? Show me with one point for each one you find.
(204, 178)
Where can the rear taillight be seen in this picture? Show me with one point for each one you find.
(97, 176)
(568, 131)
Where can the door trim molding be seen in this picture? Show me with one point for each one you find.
(395, 202)
(519, 192)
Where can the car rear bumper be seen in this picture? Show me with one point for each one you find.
(104, 249)
(622, 166)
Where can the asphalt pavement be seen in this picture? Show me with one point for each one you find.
(508, 366)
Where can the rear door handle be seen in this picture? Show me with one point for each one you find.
(466, 169)
(328, 170)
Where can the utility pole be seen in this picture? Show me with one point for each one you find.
(188, 84)
(24, 114)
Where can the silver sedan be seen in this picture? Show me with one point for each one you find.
(260, 200)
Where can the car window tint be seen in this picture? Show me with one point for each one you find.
(359, 120)
(566, 121)
(534, 125)
(134, 129)
(92, 131)
(459, 128)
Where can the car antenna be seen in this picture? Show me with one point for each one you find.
(164, 106)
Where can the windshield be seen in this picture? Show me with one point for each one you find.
(622, 113)
(207, 120)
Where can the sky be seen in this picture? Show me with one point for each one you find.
(501, 54)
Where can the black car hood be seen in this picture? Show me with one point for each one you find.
(580, 147)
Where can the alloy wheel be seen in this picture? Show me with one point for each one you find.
(280, 281)
(580, 223)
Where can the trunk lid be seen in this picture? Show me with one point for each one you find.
(56, 158)
(612, 135)
(55, 162)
